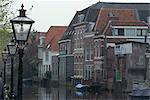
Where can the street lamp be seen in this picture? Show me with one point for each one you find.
(21, 26)
(4, 57)
(12, 48)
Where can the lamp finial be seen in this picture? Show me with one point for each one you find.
(22, 6)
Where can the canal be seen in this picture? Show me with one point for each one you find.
(63, 93)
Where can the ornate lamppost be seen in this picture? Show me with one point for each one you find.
(21, 26)
(12, 48)
(4, 57)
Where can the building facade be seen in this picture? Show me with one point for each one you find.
(49, 47)
(55, 68)
(41, 45)
(66, 65)
(131, 63)
(92, 34)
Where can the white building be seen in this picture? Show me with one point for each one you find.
(48, 47)
(47, 60)
(40, 54)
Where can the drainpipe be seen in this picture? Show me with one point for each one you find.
(58, 69)
(105, 56)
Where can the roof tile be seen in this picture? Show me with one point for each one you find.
(120, 14)
(54, 34)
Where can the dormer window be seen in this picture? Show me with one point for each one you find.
(129, 31)
(120, 32)
(141, 32)
(91, 26)
(80, 18)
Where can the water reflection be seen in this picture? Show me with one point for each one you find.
(44, 94)
(63, 93)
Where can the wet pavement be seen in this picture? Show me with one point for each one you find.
(63, 93)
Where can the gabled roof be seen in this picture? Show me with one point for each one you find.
(140, 6)
(90, 16)
(142, 11)
(106, 14)
(54, 34)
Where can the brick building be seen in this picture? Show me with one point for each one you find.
(131, 63)
(85, 37)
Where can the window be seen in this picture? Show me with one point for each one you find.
(91, 52)
(61, 46)
(102, 51)
(42, 40)
(121, 32)
(89, 74)
(141, 60)
(104, 74)
(89, 69)
(56, 71)
(78, 35)
(80, 18)
(144, 32)
(46, 56)
(80, 44)
(75, 44)
(79, 59)
(82, 58)
(49, 67)
(91, 26)
(86, 74)
(148, 20)
(139, 32)
(115, 32)
(96, 51)
(87, 53)
(130, 32)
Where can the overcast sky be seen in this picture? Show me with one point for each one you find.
(48, 13)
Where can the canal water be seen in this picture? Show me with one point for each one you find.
(63, 93)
